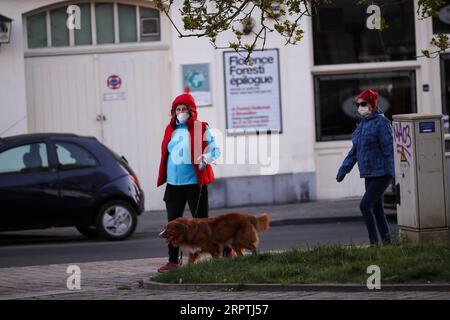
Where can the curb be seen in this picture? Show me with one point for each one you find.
(292, 287)
(324, 220)
(307, 221)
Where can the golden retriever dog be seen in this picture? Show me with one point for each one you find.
(210, 235)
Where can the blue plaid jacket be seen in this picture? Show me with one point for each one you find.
(373, 148)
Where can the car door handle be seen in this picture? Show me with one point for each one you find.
(42, 183)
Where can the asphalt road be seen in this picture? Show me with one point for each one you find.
(65, 245)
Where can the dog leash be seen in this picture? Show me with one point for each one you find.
(199, 194)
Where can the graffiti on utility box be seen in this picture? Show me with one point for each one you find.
(403, 142)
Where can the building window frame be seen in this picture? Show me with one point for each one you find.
(380, 74)
(435, 22)
(364, 67)
(313, 43)
(141, 24)
(162, 43)
(445, 57)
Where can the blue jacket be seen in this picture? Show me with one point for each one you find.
(180, 170)
(373, 148)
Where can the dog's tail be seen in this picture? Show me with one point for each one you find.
(262, 222)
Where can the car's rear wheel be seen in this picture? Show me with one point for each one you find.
(116, 220)
(88, 231)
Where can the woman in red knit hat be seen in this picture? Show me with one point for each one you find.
(187, 150)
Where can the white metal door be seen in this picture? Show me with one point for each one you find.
(71, 94)
(133, 111)
(62, 95)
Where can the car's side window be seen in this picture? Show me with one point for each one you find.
(73, 156)
(25, 158)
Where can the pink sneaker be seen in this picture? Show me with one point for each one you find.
(169, 266)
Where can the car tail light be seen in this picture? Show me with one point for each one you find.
(135, 180)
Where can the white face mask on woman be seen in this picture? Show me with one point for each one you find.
(363, 111)
(182, 117)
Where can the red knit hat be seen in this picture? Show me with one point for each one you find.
(187, 100)
(369, 96)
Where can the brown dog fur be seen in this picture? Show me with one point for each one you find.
(210, 235)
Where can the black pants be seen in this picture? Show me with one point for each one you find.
(372, 208)
(176, 197)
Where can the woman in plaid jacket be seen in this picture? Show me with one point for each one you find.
(374, 151)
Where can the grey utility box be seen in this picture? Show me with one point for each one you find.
(421, 179)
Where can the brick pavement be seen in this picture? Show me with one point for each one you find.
(143, 294)
(33, 281)
(102, 280)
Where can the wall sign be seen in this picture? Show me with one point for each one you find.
(427, 127)
(252, 92)
(114, 82)
(114, 96)
(196, 82)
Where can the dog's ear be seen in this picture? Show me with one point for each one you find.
(180, 227)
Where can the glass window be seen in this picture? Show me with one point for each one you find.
(26, 158)
(72, 156)
(104, 15)
(340, 34)
(60, 32)
(150, 29)
(37, 30)
(336, 114)
(83, 36)
(445, 83)
(441, 23)
(127, 23)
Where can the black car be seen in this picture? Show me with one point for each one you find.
(61, 180)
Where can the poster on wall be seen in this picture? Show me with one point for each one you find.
(252, 91)
(196, 82)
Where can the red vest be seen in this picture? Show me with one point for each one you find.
(198, 146)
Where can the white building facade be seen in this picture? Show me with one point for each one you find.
(115, 79)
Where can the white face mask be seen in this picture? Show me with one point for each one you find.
(364, 111)
(182, 117)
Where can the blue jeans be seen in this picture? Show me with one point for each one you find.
(372, 208)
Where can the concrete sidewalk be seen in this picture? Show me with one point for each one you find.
(323, 211)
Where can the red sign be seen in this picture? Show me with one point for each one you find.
(114, 82)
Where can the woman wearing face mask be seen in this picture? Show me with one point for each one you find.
(185, 165)
(374, 151)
